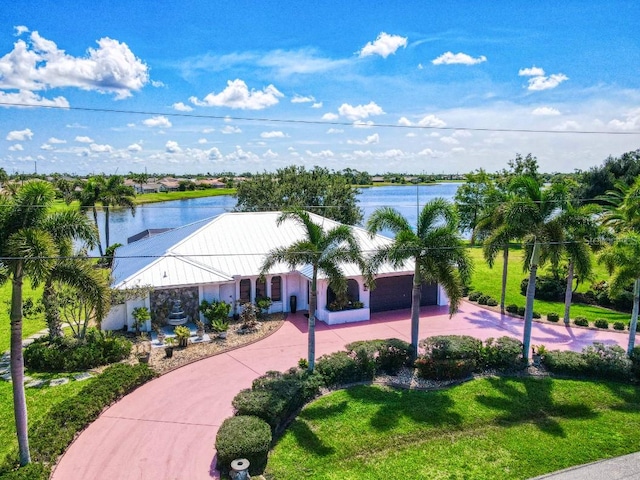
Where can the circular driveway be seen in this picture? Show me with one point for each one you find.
(166, 429)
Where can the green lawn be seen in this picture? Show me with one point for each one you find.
(483, 429)
(29, 325)
(489, 281)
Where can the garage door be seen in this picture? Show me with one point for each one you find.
(394, 293)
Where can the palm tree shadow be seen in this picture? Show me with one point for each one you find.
(535, 404)
(628, 394)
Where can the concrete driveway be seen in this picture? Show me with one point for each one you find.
(166, 429)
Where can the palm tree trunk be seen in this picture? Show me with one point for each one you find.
(95, 220)
(17, 366)
(505, 264)
(313, 304)
(528, 312)
(51, 312)
(415, 311)
(634, 317)
(106, 227)
(569, 293)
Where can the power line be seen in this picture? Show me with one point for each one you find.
(318, 122)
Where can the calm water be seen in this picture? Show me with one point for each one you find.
(182, 212)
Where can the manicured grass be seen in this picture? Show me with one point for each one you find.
(489, 281)
(483, 429)
(168, 196)
(29, 325)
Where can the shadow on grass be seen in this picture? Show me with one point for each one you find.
(535, 404)
(628, 394)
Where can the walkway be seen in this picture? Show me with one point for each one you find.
(166, 429)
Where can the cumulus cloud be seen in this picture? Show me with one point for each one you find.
(330, 116)
(172, 147)
(384, 45)
(84, 139)
(335, 130)
(56, 140)
(426, 121)
(360, 112)
(300, 99)
(228, 129)
(16, 147)
(20, 29)
(450, 140)
(546, 83)
(531, 72)
(97, 148)
(273, 134)
(134, 147)
(568, 125)
(269, 154)
(317, 105)
(243, 156)
(450, 58)
(371, 139)
(549, 111)
(631, 121)
(181, 107)
(362, 124)
(238, 96)
(40, 65)
(20, 135)
(404, 121)
(158, 121)
(46, 146)
(25, 99)
(202, 141)
(321, 154)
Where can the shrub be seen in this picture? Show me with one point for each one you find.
(521, 311)
(31, 471)
(547, 288)
(601, 323)
(458, 347)
(68, 354)
(445, 368)
(483, 299)
(474, 296)
(243, 437)
(637, 327)
(618, 325)
(492, 302)
(553, 317)
(536, 315)
(505, 352)
(393, 354)
(635, 363)
(512, 308)
(581, 322)
(339, 368)
(568, 363)
(606, 361)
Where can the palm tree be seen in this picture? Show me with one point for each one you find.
(622, 259)
(324, 251)
(26, 248)
(435, 247)
(89, 198)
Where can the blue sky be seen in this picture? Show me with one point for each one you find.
(411, 86)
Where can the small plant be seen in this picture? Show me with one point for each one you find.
(249, 317)
(220, 325)
(618, 326)
(539, 350)
(474, 296)
(483, 299)
(140, 317)
(303, 364)
(536, 314)
(263, 304)
(601, 323)
(553, 317)
(214, 310)
(182, 334)
(492, 302)
(581, 322)
(521, 311)
(512, 308)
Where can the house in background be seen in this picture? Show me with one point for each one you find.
(220, 259)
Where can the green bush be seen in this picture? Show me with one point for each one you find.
(483, 299)
(536, 315)
(581, 322)
(505, 352)
(340, 368)
(68, 354)
(521, 311)
(637, 327)
(618, 325)
(393, 354)
(445, 347)
(606, 361)
(553, 317)
(512, 308)
(444, 368)
(601, 323)
(492, 302)
(474, 296)
(263, 404)
(635, 363)
(565, 362)
(547, 288)
(31, 471)
(243, 437)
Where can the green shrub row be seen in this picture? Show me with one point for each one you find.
(243, 436)
(50, 436)
(66, 354)
(482, 299)
(597, 360)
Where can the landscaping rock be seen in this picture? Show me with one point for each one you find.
(82, 376)
(58, 381)
(36, 384)
(6, 377)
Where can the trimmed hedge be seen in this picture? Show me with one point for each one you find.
(553, 317)
(483, 299)
(340, 368)
(448, 357)
(601, 323)
(619, 326)
(597, 360)
(492, 302)
(503, 353)
(512, 308)
(474, 296)
(521, 311)
(243, 436)
(581, 322)
(444, 369)
(389, 355)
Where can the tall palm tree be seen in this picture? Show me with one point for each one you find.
(26, 248)
(324, 251)
(89, 198)
(622, 259)
(435, 247)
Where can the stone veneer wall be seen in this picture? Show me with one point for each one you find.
(162, 303)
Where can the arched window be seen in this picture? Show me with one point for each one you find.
(245, 290)
(276, 289)
(352, 295)
(261, 288)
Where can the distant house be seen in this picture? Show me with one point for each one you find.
(168, 184)
(220, 259)
(210, 183)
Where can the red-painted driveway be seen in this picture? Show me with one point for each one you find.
(166, 429)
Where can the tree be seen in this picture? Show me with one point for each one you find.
(475, 198)
(26, 248)
(324, 251)
(318, 191)
(139, 178)
(598, 180)
(435, 247)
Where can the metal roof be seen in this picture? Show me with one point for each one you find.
(219, 249)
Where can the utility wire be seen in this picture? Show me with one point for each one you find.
(318, 122)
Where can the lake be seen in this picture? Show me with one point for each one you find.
(405, 198)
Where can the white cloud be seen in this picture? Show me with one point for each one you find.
(134, 147)
(384, 45)
(20, 29)
(300, 99)
(404, 121)
(317, 105)
(371, 139)
(360, 112)
(25, 99)
(46, 146)
(568, 125)
(230, 129)
(41, 65)
(462, 134)
(181, 107)
(450, 58)
(335, 130)
(531, 72)
(158, 121)
(84, 139)
(172, 147)
(208, 130)
(320, 154)
(20, 135)
(242, 156)
(630, 122)
(97, 148)
(202, 141)
(157, 84)
(362, 124)
(330, 116)
(449, 140)
(432, 121)
(238, 95)
(270, 154)
(546, 83)
(56, 140)
(16, 147)
(428, 152)
(545, 111)
(273, 134)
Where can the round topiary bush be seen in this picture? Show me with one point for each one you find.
(492, 302)
(618, 326)
(521, 311)
(243, 437)
(512, 308)
(581, 322)
(483, 299)
(601, 323)
(474, 296)
(553, 317)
